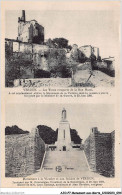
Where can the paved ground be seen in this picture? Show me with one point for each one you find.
(65, 163)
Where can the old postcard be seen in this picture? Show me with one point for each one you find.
(60, 82)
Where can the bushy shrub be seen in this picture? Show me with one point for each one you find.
(42, 74)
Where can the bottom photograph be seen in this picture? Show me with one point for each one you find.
(59, 140)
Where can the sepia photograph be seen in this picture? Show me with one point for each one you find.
(60, 97)
(59, 140)
(60, 48)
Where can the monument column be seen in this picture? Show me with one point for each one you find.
(64, 137)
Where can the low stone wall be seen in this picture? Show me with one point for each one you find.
(99, 150)
(23, 154)
(100, 64)
(43, 82)
(108, 65)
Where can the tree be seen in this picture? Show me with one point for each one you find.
(14, 130)
(75, 137)
(50, 43)
(69, 47)
(61, 42)
(48, 135)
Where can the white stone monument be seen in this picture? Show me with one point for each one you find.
(64, 138)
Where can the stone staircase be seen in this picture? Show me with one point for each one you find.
(65, 164)
(67, 160)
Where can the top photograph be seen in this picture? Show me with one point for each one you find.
(48, 48)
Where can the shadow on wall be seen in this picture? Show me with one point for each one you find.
(41, 74)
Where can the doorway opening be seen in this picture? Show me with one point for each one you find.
(64, 148)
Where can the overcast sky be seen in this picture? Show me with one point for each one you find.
(81, 117)
(96, 28)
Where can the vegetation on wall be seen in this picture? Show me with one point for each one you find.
(41, 73)
(17, 64)
(58, 43)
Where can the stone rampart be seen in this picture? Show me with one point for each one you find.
(23, 154)
(99, 150)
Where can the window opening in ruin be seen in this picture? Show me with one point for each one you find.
(64, 134)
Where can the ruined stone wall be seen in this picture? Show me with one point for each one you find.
(38, 53)
(24, 60)
(44, 82)
(23, 154)
(40, 48)
(103, 145)
(30, 31)
(99, 150)
(86, 50)
(96, 52)
(23, 31)
(27, 47)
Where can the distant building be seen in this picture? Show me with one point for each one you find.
(30, 31)
(111, 59)
(88, 50)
